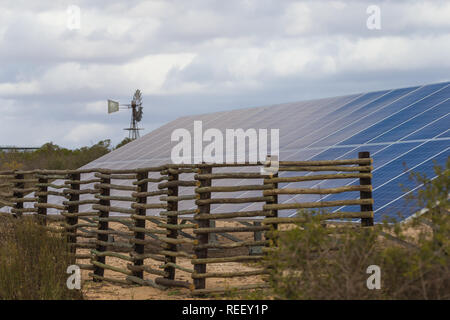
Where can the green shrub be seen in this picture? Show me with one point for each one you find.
(123, 142)
(33, 262)
(317, 262)
(54, 157)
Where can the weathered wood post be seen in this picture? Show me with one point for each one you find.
(212, 236)
(139, 247)
(102, 237)
(19, 185)
(200, 283)
(42, 198)
(172, 191)
(257, 236)
(270, 235)
(72, 209)
(365, 222)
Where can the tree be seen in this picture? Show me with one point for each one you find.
(123, 142)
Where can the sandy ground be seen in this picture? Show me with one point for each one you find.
(109, 291)
(113, 291)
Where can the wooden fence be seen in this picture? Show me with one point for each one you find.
(180, 247)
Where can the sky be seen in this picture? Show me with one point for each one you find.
(200, 56)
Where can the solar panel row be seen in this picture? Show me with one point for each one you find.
(403, 129)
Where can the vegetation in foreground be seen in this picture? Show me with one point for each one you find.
(33, 262)
(314, 262)
(53, 157)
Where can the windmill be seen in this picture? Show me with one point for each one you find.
(136, 113)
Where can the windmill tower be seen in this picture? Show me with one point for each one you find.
(136, 113)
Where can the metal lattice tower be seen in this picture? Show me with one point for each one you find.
(136, 115)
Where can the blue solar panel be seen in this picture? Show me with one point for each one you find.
(403, 129)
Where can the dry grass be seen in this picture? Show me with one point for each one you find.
(33, 262)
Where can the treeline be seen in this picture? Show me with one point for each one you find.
(54, 157)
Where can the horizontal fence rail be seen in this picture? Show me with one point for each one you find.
(126, 226)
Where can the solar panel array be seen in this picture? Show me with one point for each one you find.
(403, 129)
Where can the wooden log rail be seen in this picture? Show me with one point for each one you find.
(327, 216)
(163, 239)
(18, 192)
(135, 220)
(170, 188)
(73, 208)
(6, 193)
(206, 229)
(171, 205)
(42, 198)
(202, 238)
(103, 225)
(359, 161)
(361, 169)
(139, 224)
(323, 204)
(272, 213)
(326, 168)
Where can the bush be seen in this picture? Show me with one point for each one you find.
(314, 262)
(33, 262)
(123, 142)
(53, 157)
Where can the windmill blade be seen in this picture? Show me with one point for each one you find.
(137, 98)
(139, 114)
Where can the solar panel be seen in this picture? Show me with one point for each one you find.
(403, 129)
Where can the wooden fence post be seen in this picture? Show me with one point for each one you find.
(212, 236)
(200, 283)
(139, 248)
(17, 194)
(102, 226)
(257, 236)
(73, 208)
(272, 213)
(42, 198)
(173, 233)
(365, 222)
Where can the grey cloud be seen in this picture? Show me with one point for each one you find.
(245, 53)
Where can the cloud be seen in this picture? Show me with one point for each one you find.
(96, 107)
(149, 72)
(88, 131)
(199, 56)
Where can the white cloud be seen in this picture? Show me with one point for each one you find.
(19, 88)
(87, 132)
(422, 14)
(149, 72)
(396, 53)
(298, 18)
(97, 107)
(203, 56)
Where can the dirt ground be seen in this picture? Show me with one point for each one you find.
(112, 291)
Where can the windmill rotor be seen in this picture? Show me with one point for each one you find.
(137, 110)
(139, 113)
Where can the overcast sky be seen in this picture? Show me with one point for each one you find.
(200, 56)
